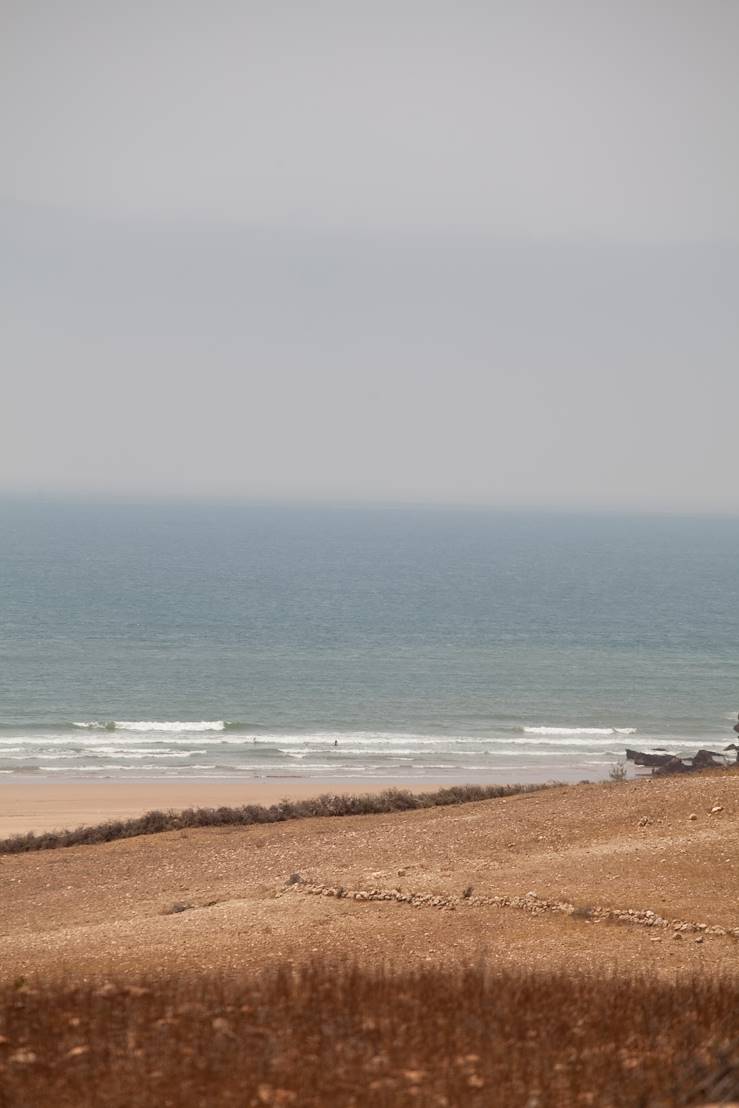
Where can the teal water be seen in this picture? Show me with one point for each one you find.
(218, 640)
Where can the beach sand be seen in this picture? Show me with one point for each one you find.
(95, 910)
(43, 805)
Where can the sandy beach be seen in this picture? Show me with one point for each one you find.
(42, 805)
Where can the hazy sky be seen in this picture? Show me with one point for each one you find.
(453, 251)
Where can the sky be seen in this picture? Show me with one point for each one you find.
(442, 251)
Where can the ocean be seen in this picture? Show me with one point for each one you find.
(383, 643)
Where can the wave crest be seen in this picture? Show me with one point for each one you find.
(579, 730)
(154, 725)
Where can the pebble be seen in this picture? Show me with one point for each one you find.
(692, 816)
(717, 808)
(23, 1057)
(222, 1027)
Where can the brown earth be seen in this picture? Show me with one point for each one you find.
(106, 909)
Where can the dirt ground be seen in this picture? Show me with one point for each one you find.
(98, 910)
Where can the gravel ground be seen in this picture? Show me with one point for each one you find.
(94, 910)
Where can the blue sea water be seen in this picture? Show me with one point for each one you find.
(218, 640)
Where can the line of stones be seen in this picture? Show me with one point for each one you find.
(531, 903)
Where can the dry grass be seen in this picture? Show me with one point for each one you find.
(338, 1035)
(391, 800)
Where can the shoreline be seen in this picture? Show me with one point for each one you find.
(35, 803)
(43, 805)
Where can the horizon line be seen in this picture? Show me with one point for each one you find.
(174, 499)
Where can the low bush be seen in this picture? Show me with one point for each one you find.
(617, 772)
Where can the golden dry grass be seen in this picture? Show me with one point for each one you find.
(326, 1035)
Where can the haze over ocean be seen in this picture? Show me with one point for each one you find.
(214, 640)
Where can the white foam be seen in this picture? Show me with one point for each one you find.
(579, 730)
(165, 725)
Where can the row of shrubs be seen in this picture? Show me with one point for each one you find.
(340, 804)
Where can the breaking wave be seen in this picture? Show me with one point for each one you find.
(154, 725)
(578, 730)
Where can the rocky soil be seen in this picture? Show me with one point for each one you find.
(583, 877)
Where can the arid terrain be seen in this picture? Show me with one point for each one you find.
(219, 898)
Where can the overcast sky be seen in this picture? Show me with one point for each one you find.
(447, 251)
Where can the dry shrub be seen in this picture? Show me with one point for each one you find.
(338, 1035)
(340, 804)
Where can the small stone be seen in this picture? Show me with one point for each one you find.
(176, 908)
(78, 1051)
(676, 935)
(414, 1076)
(268, 1094)
(698, 939)
(692, 816)
(136, 990)
(222, 1027)
(717, 808)
(23, 1057)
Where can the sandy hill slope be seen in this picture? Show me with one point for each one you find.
(633, 845)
